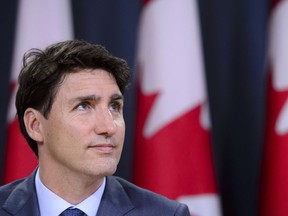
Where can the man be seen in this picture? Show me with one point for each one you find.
(70, 109)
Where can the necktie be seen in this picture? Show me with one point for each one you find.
(72, 212)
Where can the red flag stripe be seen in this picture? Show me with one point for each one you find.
(173, 153)
(274, 191)
(39, 23)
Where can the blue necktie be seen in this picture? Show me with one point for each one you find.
(72, 212)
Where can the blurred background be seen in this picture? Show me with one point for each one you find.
(233, 44)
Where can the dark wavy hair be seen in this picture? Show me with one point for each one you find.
(44, 70)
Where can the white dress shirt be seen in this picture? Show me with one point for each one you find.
(51, 204)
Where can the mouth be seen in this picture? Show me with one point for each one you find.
(103, 148)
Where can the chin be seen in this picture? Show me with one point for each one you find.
(105, 169)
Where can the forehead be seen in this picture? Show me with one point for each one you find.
(89, 80)
(99, 76)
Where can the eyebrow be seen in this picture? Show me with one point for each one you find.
(96, 98)
(117, 97)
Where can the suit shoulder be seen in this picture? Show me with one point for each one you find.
(142, 198)
(5, 190)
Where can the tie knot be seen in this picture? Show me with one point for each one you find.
(72, 212)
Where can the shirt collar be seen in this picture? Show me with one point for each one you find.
(52, 204)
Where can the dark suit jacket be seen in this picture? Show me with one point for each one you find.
(120, 198)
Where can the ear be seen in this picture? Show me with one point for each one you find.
(32, 120)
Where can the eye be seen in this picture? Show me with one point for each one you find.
(116, 106)
(83, 106)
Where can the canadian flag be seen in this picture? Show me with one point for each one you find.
(39, 23)
(173, 153)
(274, 190)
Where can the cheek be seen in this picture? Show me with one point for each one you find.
(120, 123)
(61, 133)
(121, 138)
(121, 128)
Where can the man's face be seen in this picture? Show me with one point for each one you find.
(84, 132)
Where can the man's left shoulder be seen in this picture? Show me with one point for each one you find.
(143, 198)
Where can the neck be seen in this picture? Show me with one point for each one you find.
(74, 188)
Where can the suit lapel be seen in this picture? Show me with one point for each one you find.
(23, 199)
(114, 200)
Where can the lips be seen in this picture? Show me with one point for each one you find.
(103, 148)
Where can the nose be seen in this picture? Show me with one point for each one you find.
(104, 123)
